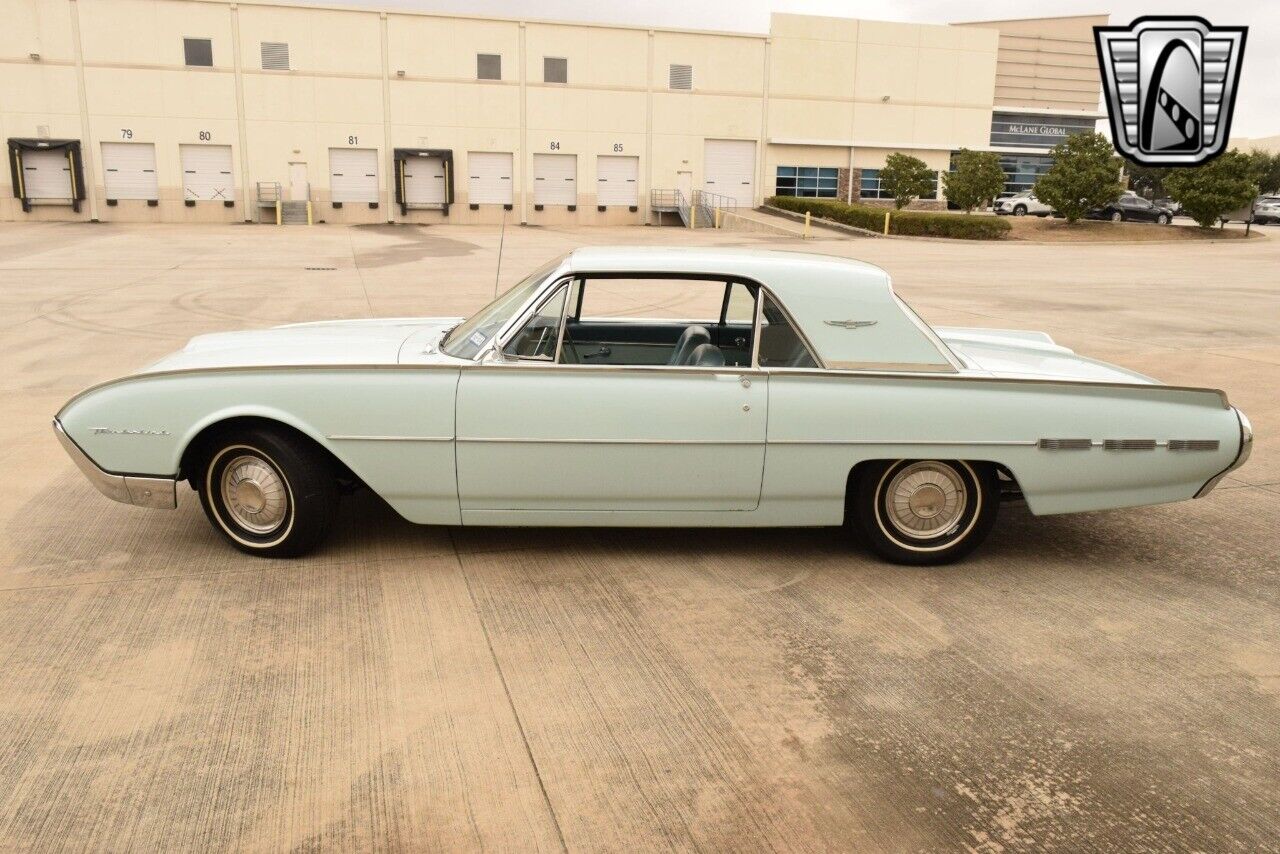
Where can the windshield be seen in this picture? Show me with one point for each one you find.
(468, 337)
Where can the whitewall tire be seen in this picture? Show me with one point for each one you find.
(924, 512)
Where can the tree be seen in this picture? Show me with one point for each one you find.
(905, 178)
(977, 179)
(1221, 185)
(1266, 170)
(1147, 178)
(1085, 174)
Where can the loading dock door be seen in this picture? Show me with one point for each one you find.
(46, 175)
(489, 176)
(555, 179)
(730, 166)
(424, 181)
(617, 180)
(353, 175)
(129, 170)
(206, 173)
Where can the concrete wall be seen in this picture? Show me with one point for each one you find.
(817, 91)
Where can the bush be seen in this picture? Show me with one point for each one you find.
(1207, 192)
(1085, 175)
(913, 223)
(977, 179)
(905, 178)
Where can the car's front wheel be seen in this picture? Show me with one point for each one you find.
(924, 512)
(1116, 216)
(1162, 219)
(269, 494)
(1020, 210)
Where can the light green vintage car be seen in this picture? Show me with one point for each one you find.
(653, 387)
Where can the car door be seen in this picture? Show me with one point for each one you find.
(571, 440)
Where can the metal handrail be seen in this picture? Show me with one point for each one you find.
(269, 192)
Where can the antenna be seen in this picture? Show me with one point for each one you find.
(502, 236)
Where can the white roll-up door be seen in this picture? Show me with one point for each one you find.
(206, 173)
(46, 174)
(555, 179)
(617, 180)
(730, 168)
(489, 177)
(129, 170)
(353, 174)
(424, 181)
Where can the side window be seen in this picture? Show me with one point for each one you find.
(541, 334)
(741, 308)
(780, 344)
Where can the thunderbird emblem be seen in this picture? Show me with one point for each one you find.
(851, 324)
(1170, 85)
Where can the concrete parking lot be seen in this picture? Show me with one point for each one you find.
(1110, 680)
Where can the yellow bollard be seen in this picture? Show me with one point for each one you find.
(806, 225)
(308, 212)
(717, 217)
(886, 222)
(277, 211)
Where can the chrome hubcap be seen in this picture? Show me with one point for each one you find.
(925, 499)
(254, 494)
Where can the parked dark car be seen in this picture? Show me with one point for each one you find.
(1132, 208)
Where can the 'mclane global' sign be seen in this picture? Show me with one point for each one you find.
(1019, 130)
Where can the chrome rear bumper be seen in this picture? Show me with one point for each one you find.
(1246, 448)
(160, 493)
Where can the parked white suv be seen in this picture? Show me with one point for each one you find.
(1266, 210)
(1021, 204)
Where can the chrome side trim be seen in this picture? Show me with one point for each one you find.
(1129, 444)
(894, 367)
(1193, 444)
(1065, 444)
(779, 372)
(1246, 448)
(1003, 443)
(160, 493)
(354, 438)
(512, 440)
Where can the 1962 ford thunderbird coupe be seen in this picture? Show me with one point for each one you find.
(653, 387)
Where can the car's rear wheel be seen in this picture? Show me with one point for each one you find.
(1116, 216)
(1162, 219)
(924, 512)
(269, 494)
(1020, 210)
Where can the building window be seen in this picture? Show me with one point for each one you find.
(275, 56)
(680, 77)
(1021, 171)
(488, 66)
(869, 187)
(198, 52)
(555, 69)
(812, 182)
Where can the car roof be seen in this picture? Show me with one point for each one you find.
(821, 292)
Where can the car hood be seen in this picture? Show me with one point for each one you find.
(1031, 355)
(333, 342)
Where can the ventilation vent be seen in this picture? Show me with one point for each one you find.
(198, 52)
(1064, 444)
(275, 56)
(1193, 444)
(1129, 444)
(555, 70)
(488, 66)
(680, 77)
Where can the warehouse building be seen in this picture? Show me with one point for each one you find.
(214, 111)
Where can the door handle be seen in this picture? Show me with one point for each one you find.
(599, 354)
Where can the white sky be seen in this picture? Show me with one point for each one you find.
(1257, 110)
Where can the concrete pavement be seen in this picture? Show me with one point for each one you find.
(1104, 681)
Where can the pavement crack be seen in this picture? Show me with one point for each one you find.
(515, 713)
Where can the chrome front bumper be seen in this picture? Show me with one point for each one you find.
(159, 493)
(1246, 448)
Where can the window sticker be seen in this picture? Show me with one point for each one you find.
(477, 338)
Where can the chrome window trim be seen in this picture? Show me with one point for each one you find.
(934, 338)
(799, 330)
(498, 344)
